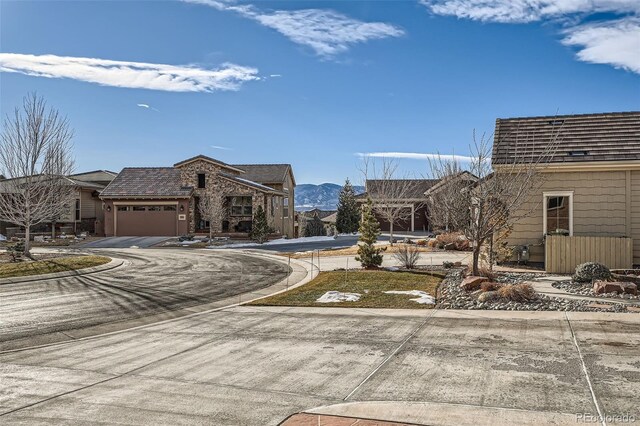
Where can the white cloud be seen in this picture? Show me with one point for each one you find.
(514, 11)
(415, 156)
(275, 75)
(147, 106)
(614, 42)
(325, 31)
(135, 75)
(224, 148)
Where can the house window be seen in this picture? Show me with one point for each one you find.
(154, 208)
(241, 206)
(169, 208)
(201, 180)
(77, 209)
(123, 208)
(285, 204)
(273, 205)
(138, 208)
(558, 213)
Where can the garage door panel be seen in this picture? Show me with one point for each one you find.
(141, 221)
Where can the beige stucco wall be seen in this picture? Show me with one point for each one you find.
(599, 207)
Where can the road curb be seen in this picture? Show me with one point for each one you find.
(114, 263)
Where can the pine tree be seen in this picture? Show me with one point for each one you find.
(314, 227)
(348, 214)
(368, 254)
(260, 228)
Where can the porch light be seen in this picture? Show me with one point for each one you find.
(181, 207)
(108, 208)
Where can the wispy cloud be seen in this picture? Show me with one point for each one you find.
(614, 41)
(325, 31)
(275, 75)
(147, 106)
(224, 148)
(135, 75)
(416, 156)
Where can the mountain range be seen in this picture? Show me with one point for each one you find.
(324, 196)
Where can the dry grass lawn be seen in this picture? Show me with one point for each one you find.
(60, 264)
(370, 284)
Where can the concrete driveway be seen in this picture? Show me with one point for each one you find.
(256, 366)
(153, 284)
(124, 242)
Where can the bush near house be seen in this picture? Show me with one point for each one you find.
(517, 292)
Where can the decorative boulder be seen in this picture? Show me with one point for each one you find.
(601, 287)
(472, 283)
(590, 271)
(488, 296)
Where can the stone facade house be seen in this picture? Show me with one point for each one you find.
(165, 201)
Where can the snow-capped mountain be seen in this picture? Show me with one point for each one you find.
(324, 196)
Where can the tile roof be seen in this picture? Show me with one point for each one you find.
(581, 138)
(147, 182)
(247, 182)
(265, 173)
(416, 189)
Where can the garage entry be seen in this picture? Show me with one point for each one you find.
(153, 220)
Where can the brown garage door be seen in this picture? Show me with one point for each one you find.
(146, 221)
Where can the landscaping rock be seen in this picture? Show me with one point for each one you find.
(472, 283)
(602, 287)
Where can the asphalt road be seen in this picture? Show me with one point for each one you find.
(124, 242)
(156, 284)
(257, 365)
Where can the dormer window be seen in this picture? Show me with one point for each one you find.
(201, 180)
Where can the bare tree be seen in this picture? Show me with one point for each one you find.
(389, 193)
(499, 197)
(36, 158)
(213, 209)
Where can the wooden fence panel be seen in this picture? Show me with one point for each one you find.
(563, 254)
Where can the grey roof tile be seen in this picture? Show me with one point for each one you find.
(147, 182)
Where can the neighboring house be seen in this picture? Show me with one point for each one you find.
(85, 215)
(330, 223)
(164, 201)
(591, 184)
(414, 201)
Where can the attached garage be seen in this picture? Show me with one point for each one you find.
(142, 220)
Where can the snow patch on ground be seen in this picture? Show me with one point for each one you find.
(336, 296)
(278, 242)
(423, 298)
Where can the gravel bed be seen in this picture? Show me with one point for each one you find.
(587, 290)
(451, 296)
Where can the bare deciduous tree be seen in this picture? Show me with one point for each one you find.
(389, 194)
(35, 157)
(499, 197)
(213, 209)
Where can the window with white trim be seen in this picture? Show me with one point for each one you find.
(558, 213)
(285, 207)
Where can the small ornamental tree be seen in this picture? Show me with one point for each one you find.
(260, 228)
(314, 227)
(368, 254)
(348, 214)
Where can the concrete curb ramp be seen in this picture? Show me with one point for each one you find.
(115, 263)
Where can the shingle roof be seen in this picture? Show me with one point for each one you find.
(416, 187)
(265, 173)
(147, 182)
(581, 138)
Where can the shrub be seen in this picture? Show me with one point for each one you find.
(368, 254)
(260, 228)
(517, 292)
(591, 271)
(407, 255)
(483, 271)
(447, 264)
(421, 242)
(16, 251)
(453, 241)
(434, 244)
(490, 286)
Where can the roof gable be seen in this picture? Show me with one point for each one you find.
(208, 160)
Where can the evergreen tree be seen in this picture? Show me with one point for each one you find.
(260, 228)
(368, 254)
(314, 228)
(348, 214)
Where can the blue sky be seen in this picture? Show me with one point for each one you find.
(311, 83)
